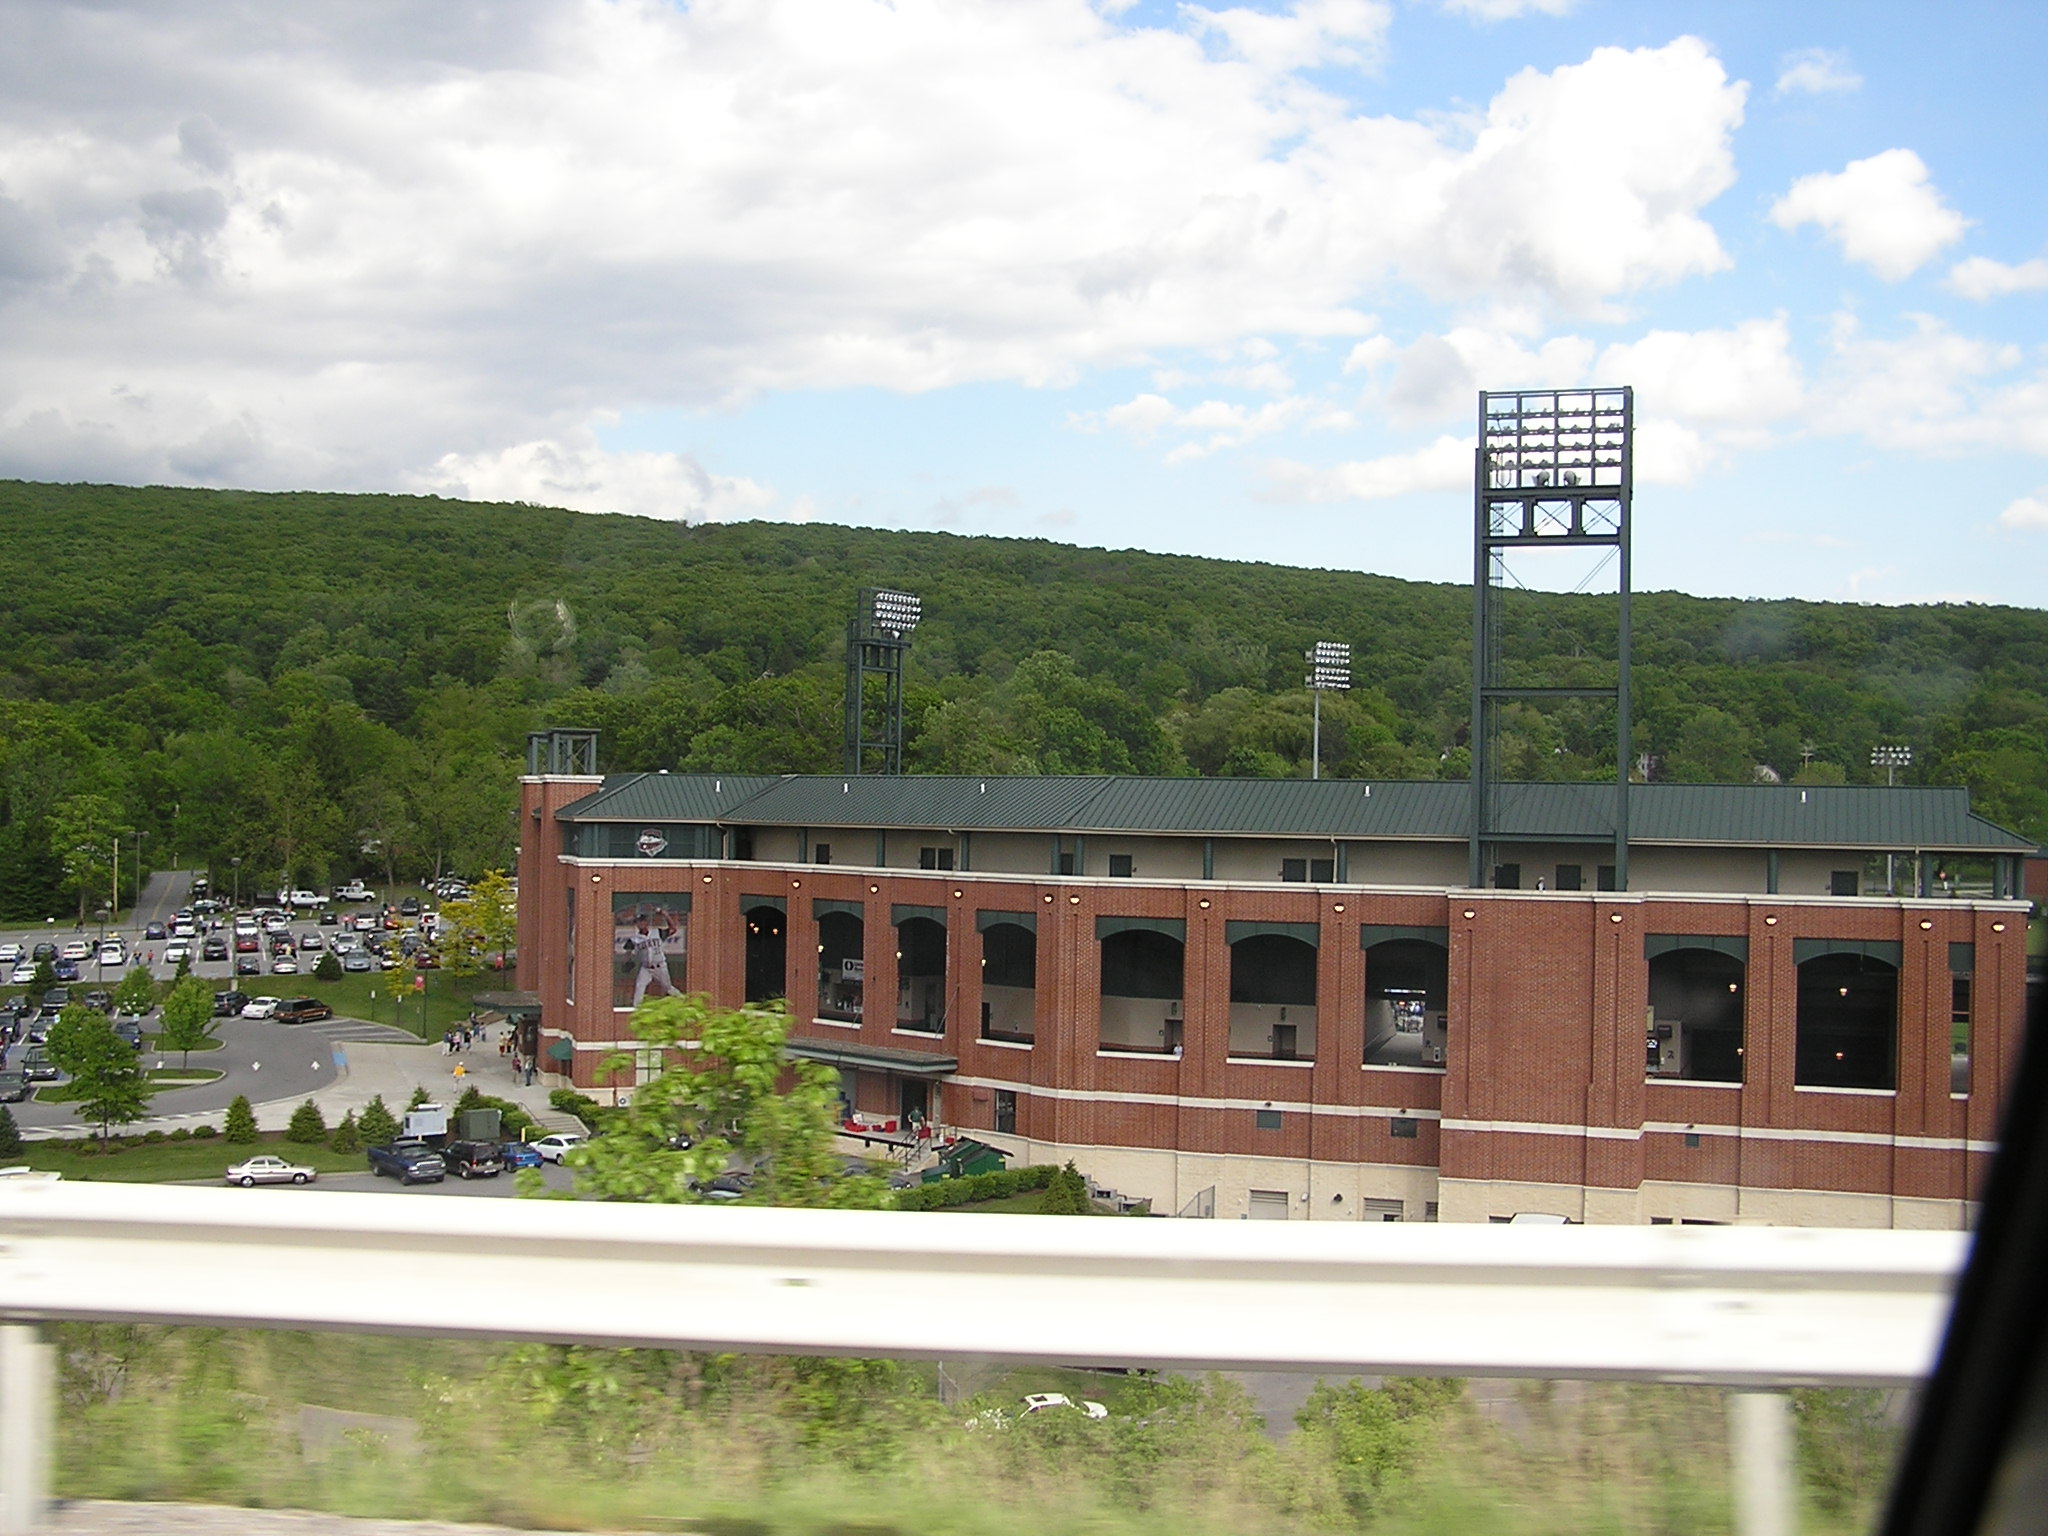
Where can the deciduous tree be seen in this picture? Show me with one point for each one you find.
(106, 1077)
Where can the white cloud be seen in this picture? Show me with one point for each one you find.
(1437, 376)
(581, 475)
(1745, 377)
(398, 235)
(1883, 212)
(2026, 512)
(1504, 10)
(1929, 390)
(1980, 278)
(1212, 425)
(1817, 72)
(1444, 465)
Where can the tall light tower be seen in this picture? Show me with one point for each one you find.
(1329, 666)
(1891, 758)
(876, 638)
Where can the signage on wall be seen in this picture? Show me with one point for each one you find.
(852, 970)
(651, 844)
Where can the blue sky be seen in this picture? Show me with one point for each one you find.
(1217, 280)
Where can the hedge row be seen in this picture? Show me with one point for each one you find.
(976, 1186)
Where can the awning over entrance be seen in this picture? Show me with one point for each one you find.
(874, 1058)
(561, 1050)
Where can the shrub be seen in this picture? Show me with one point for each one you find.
(241, 1121)
(308, 1124)
(472, 1098)
(347, 1137)
(202, 1132)
(419, 1096)
(377, 1124)
(570, 1102)
(182, 1133)
(151, 1138)
(10, 1134)
(329, 968)
(1066, 1194)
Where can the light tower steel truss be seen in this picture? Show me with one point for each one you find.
(1553, 469)
(876, 639)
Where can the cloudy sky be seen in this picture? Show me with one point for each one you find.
(1188, 278)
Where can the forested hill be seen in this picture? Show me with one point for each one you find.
(291, 679)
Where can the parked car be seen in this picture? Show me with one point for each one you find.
(10, 953)
(113, 952)
(77, 949)
(284, 965)
(355, 962)
(67, 970)
(267, 1169)
(44, 951)
(355, 890)
(99, 1000)
(473, 1159)
(410, 1162)
(248, 965)
(37, 1067)
(176, 952)
(229, 1003)
(130, 1032)
(328, 919)
(14, 1087)
(247, 942)
(22, 974)
(410, 907)
(56, 1000)
(555, 1143)
(311, 940)
(154, 932)
(303, 898)
(261, 1008)
(302, 1010)
(521, 1154)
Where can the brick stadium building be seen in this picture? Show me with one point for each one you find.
(1280, 999)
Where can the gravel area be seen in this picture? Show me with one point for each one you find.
(100, 1517)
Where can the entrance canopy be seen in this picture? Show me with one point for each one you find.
(875, 1058)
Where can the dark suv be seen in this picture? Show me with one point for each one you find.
(229, 1004)
(473, 1159)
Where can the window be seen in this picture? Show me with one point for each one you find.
(935, 858)
(1847, 1016)
(1959, 1021)
(1006, 1111)
(1429, 1209)
(1294, 869)
(1119, 866)
(743, 845)
(1692, 1140)
(1507, 877)
(823, 853)
(1571, 877)
(1322, 871)
(1066, 863)
(1381, 1210)
(1842, 882)
(1605, 881)
(1266, 1119)
(1401, 1128)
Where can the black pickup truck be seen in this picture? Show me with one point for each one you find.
(409, 1162)
(473, 1159)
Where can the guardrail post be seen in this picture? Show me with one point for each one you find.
(1760, 1432)
(28, 1402)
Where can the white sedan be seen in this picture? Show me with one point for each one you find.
(24, 973)
(552, 1146)
(261, 1008)
(113, 952)
(266, 1169)
(10, 954)
(78, 949)
(177, 952)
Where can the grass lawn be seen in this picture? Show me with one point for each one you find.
(164, 1162)
(165, 1077)
(149, 1044)
(445, 1003)
(1025, 1202)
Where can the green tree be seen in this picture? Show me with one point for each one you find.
(188, 1018)
(10, 1133)
(82, 832)
(106, 1077)
(328, 969)
(136, 993)
(483, 927)
(419, 1096)
(240, 1126)
(724, 1085)
(348, 1136)
(308, 1125)
(377, 1124)
(44, 979)
(1066, 1195)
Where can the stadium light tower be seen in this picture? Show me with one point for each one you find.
(1891, 758)
(876, 638)
(1329, 666)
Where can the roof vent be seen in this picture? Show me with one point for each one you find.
(718, 786)
(984, 787)
(846, 789)
(1802, 797)
(662, 771)
(1368, 791)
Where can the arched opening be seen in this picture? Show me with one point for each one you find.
(842, 966)
(1273, 997)
(1407, 1003)
(921, 976)
(1141, 990)
(1848, 1031)
(1696, 1008)
(1009, 982)
(767, 953)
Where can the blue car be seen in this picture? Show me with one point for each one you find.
(67, 970)
(519, 1154)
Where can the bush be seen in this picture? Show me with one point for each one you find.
(308, 1125)
(570, 1102)
(472, 1098)
(202, 1132)
(419, 1096)
(981, 1186)
(347, 1136)
(151, 1138)
(241, 1121)
(180, 1134)
(1066, 1194)
(329, 968)
(377, 1124)
(10, 1134)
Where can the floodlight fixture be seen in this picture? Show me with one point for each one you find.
(1329, 666)
(895, 613)
(1891, 758)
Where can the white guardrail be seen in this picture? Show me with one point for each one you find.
(1736, 1306)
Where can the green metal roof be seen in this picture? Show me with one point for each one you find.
(1742, 815)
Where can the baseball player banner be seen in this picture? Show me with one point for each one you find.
(650, 946)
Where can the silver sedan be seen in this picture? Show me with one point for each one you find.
(266, 1169)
